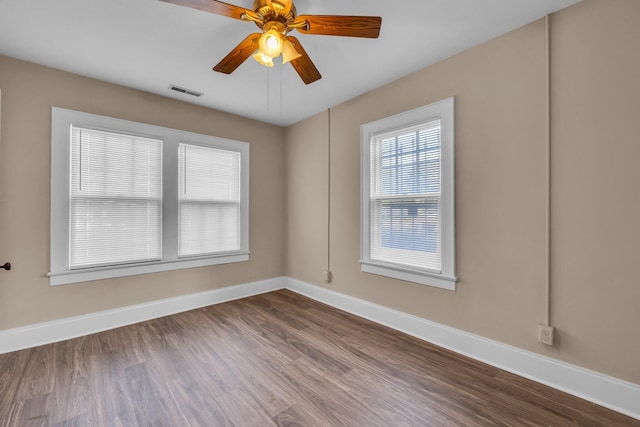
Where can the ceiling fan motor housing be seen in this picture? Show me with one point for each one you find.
(275, 11)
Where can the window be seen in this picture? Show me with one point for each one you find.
(129, 198)
(408, 196)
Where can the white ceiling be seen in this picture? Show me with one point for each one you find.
(148, 45)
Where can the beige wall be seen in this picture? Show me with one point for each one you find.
(307, 201)
(28, 92)
(500, 182)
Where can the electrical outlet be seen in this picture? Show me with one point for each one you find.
(327, 276)
(545, 334)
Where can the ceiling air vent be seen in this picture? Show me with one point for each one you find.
(187, 91)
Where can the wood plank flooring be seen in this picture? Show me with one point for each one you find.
(277, 359)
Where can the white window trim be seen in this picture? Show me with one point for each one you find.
(445, 111)
(61, 122)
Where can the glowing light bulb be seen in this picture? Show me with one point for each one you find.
(272, 42)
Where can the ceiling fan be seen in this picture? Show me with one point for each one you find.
(276, 18)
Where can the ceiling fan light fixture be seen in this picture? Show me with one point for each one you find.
(269, 46)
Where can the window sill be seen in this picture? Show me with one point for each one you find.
(441, 281)
(99, 273)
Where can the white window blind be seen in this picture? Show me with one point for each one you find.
(115, 198)
(405, 197)
(209, 200)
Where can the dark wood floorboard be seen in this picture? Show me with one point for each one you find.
(277, 359)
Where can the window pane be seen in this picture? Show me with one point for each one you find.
(406, 231)
(209, 228)
(407, 162)
(107, 232)
(115, 165)
(408, 224)
(209, 200)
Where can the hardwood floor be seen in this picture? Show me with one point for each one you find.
(277, 359)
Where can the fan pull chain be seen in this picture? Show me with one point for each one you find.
(281, 92)
(268, 89)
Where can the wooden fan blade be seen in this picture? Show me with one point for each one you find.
(303, 65)
(214, 6)
(348, 26)
(239, 54)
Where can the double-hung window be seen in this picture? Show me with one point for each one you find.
(408, 196)
(130, 198)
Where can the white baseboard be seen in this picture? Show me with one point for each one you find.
(72, 327)
(621, 396)
(612, 393)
